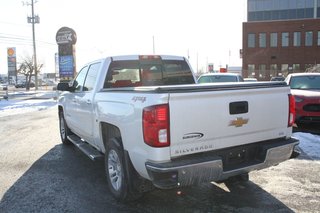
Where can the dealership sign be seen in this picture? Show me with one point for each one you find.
(66, 39)
(66, 35)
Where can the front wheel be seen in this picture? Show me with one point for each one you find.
(64, 129)
(116, 172)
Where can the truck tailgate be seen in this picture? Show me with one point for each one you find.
(209, 120)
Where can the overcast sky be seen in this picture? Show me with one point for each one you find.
(207, 30)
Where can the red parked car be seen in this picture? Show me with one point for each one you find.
(305, 87)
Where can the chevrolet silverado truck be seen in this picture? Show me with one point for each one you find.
(154, 126)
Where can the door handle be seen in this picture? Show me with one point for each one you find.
(88, 102)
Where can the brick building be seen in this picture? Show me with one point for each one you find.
(280, 37)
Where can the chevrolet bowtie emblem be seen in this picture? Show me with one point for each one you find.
(239, 122)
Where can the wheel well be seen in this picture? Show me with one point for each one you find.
(136, 182)
(60, 109)
(109, 131)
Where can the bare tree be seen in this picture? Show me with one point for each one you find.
(26, 67)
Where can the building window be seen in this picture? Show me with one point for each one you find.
(251, 40)
(267, 15)
(284, 69)
(273, 70)
(284, 4)
(251, 70)
(262, 71)
(273, 39)
(318, 38)
(275, 15)
(285, 39)
(296, 67)
(292, 4)
(309, 13)
(292, 14)
(300, 13)
(300, 4)
(259, 10)
(309, 3)
(251, 6)
(308, 41)
(284, 14)
(297, 39)
(262, 40)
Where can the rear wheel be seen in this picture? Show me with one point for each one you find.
(64, 129)
(116, 172)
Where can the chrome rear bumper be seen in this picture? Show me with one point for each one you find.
(190, 171)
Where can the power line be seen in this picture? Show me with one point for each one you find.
(18, 41)
(8, 23)
(21, 40)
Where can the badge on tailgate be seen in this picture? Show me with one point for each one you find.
(194, 135)
(238, 122)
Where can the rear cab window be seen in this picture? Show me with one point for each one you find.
(148, 72)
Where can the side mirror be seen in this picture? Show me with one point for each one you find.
(63, 86)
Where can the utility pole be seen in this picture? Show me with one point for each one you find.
(34, 20)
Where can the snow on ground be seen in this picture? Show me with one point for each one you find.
(13, 107)
(19, 103)
(309, 143)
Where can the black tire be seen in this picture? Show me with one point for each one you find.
(64, 129)
(117, 173)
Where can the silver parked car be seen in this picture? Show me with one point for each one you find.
(219, 77)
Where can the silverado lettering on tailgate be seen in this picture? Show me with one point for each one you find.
(193, 149)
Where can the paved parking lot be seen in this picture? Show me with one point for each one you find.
(39, 174)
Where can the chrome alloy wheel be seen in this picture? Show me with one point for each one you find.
(115, 170)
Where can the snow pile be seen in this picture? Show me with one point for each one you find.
(310, 144)
(26, 103)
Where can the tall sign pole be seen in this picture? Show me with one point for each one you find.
(66, 39)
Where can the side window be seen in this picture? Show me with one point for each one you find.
(91, 77)
(79, 80)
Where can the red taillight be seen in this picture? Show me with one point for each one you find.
(155, 121)
(292, 111)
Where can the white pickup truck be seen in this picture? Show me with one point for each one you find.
(155, 126)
